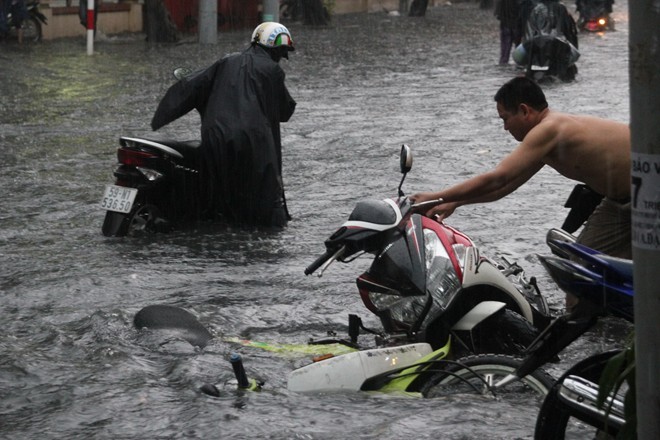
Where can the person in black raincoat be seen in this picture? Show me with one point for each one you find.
(241, 99)
(550, 38)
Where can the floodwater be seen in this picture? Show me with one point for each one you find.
(73, 366)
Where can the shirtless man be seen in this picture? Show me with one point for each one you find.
(593, 151)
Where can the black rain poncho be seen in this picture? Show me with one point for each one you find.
(241, 99)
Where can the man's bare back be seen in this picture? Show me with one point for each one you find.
(591, 150)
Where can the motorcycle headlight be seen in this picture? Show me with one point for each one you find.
(404, 310)
(441, 279)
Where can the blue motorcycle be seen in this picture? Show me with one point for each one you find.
(604, 287)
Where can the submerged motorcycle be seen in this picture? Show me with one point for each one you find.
(604, 287)
(451, 317)
(429, 283)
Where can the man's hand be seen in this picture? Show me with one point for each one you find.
(421, 197)
(442, 211)
(437, 209)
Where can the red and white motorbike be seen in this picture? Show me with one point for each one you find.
(429, 283)
(452, 318)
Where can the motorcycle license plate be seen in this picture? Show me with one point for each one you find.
(118, 198)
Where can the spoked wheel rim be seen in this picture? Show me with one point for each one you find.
(478, 374)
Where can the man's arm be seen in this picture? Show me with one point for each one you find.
(514, 170)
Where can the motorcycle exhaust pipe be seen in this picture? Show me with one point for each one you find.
(582, 395)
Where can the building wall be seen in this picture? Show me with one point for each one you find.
(351, 6)
(113, 18)
(117, 16)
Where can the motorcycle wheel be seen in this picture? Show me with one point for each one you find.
(557, 421)
(477, 374)
(31, 30)
(504, 333)
(142, 218)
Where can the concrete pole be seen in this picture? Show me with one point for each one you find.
(644, 47)
(271, 10)
(208, 22)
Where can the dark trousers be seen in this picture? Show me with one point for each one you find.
(508, 37)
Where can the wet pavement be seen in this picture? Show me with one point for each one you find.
(72, 365)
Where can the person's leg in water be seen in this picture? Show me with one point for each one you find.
(19, 14)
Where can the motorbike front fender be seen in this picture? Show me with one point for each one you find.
(478, 314)
(484, 273)
(116, 224)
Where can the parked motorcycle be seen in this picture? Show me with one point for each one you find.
(594, 15)
(31, 26)
(429, 283)
(604, 287)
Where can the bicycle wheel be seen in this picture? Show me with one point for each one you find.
(477, 374)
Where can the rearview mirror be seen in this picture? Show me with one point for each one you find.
(406, 159)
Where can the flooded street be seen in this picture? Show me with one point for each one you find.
(72, 364)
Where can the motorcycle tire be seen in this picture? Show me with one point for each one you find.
(505, 333)
(476, 374)
(556, 421)
(31, 30)
(142, 218)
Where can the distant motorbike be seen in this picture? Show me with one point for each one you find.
(594, 15)
(604, 286)
(549, 47)
(31, 26)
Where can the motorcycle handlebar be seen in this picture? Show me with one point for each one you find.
(318, 262)
(428, 204)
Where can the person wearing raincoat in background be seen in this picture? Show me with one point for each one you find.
(242, 99)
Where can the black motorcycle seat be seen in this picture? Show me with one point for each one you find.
(183, 147)
(186, 148)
